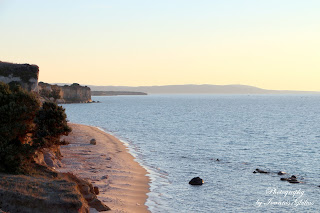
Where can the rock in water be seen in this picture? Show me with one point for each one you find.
(281, 173)
(196, 181)
(93, 141)
(261, 171)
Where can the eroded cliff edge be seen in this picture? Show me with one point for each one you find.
(75, 93)
(24, 74)
(27, 76)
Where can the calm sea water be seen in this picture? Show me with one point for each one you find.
(178, 137)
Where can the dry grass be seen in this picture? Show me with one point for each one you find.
(34, 194)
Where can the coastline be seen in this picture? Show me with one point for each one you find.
(122, 181)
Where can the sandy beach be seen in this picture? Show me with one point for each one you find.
(122, 181)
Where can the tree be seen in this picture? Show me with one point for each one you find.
(50, 124)
(18, 109)
(26, 128)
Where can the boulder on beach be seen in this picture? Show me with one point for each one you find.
(196, 181)
(93, 141)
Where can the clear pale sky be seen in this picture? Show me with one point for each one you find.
(272, 44)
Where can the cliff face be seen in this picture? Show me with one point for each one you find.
(24, 74)
(66, 94)
(75, 93)
(27, 76)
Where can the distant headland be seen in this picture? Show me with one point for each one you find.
(198, 89)
(115, 93)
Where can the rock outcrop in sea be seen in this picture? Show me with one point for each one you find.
(196, 181)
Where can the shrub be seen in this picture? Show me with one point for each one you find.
(18, 109)
(53, 93)
(26, 128)
(50, 124)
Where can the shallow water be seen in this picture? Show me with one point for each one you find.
(178, 137)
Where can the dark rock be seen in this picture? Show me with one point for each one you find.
(93, 141)
(96, 190)
(293, 181)
(281, 173)
(196, 181)
(105, 177)
(261, 171)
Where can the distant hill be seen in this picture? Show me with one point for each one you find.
(198, 89)
(115, 93)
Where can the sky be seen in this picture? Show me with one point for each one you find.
(272, 44)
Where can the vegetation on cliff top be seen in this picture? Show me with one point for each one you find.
(25, 127)
(24, 71)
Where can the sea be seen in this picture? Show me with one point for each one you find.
(179, 137)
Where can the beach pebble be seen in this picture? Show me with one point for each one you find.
(105, 177)
(93, 141)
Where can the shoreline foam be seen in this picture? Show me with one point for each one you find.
(122, 181)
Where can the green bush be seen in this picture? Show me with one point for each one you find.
(26, 128)
(50, 124)
(18, 109)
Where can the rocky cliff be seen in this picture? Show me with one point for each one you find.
(24, 74)
(76, 93)
(66, 94)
